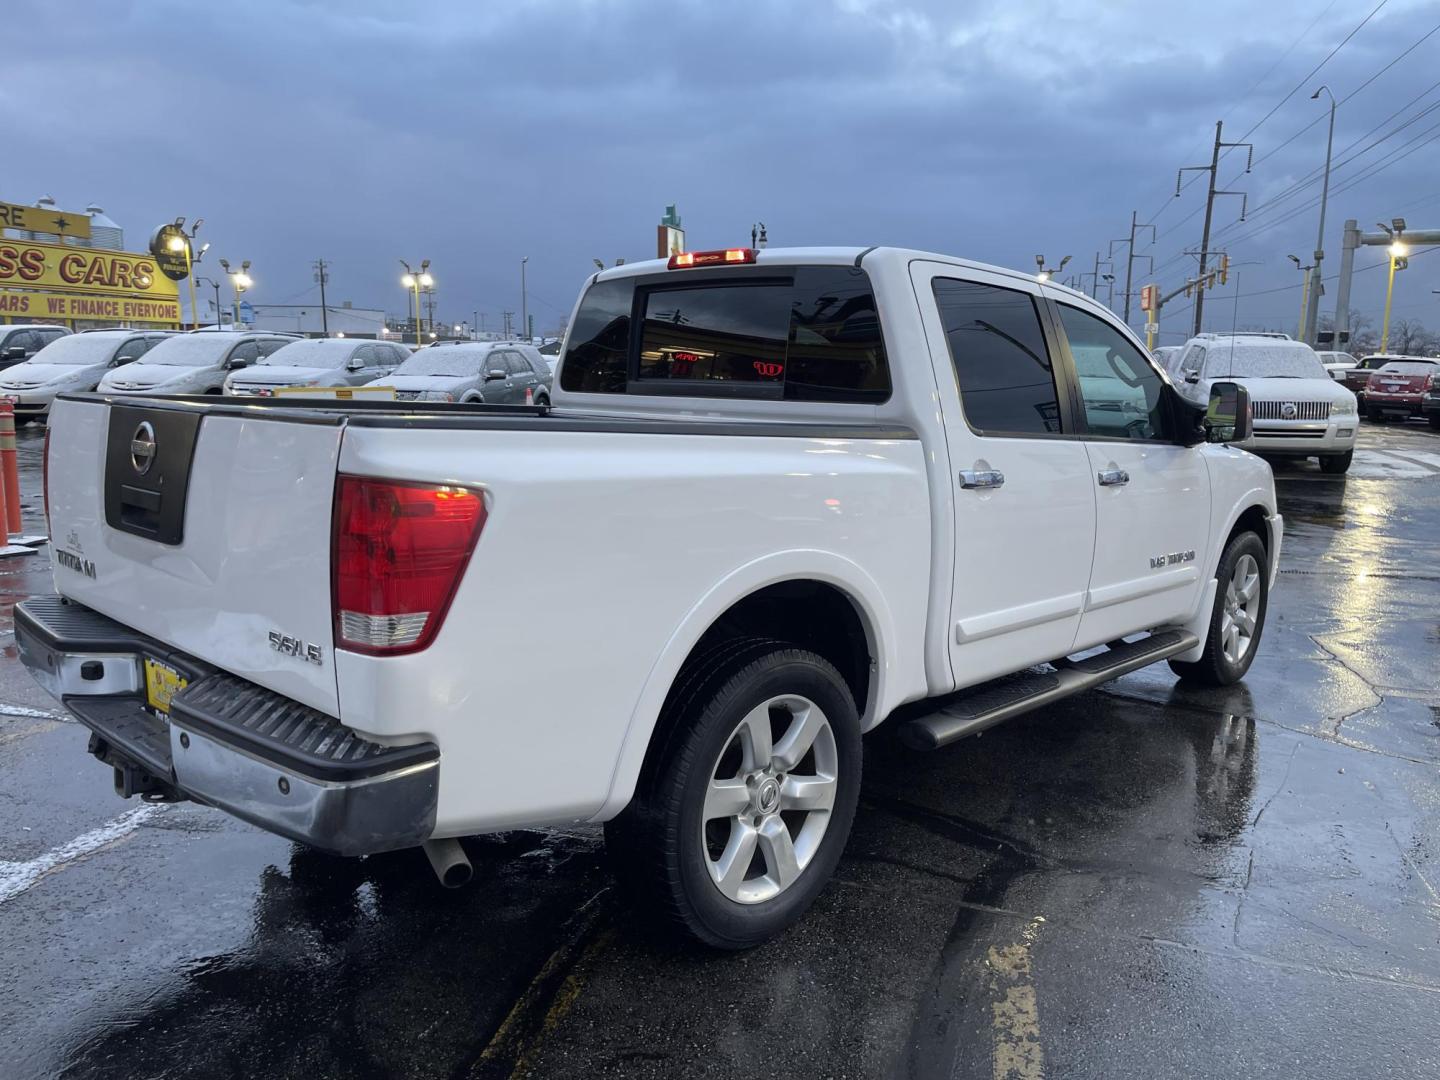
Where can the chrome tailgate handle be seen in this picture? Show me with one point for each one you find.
(973, 479)
(1113, 477)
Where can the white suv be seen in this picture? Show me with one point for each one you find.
(1299, 410)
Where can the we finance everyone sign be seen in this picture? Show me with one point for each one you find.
(60, 306)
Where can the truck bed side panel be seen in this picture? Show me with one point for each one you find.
(595, 551)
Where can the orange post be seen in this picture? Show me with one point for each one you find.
(8, 466)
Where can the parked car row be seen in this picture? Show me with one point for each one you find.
(37, 363)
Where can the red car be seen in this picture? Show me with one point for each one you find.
(1398, 387)
(1358, 377)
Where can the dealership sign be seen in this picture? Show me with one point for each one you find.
(59, 306)
(51, 266)
(44, 219)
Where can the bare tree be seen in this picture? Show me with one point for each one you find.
(1410, 338)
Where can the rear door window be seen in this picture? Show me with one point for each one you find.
(806, 333)
(1002, 365)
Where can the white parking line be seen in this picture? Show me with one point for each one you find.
(25, 710)
(17, 877)
(1387, 465)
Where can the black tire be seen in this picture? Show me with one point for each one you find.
(542, 400)
(1434, 419)
(1336, 464)
(658, 844)
(1214, 668)
(1372, 413)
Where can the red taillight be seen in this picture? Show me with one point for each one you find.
(730, 256)
(399, 552)
(45, 477)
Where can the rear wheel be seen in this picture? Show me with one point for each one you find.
(1434, 419)
(1374, 414)
(1336, 463)
(740, 822)
(1237, 619)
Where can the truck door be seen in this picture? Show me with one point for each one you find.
(1153, 495)
(1024, 499)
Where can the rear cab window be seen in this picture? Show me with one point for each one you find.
(802, 333)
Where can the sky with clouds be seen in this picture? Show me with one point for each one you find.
(473, 134)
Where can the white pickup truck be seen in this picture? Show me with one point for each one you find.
(779, 495)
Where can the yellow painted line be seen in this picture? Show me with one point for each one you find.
(1017, 1053)
(519, 1037)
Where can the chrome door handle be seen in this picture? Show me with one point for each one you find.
(1113, 477)
(972, 479)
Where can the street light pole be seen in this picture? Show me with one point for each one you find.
(1397, 254)
(524, 302)
(241, 281)
(1312, 306)
(415, 282)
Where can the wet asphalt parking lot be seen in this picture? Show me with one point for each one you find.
(1147, 880)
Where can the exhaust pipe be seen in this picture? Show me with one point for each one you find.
(449, 861)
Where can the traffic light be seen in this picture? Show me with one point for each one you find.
(1224, 268)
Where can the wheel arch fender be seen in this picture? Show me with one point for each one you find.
(1257, 504)
(824, 567)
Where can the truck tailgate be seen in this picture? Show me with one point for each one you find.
(210, 533)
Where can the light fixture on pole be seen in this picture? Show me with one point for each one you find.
(216, 286)
(415, 281)
(241, 281)
(1304, 294)
(1399, 251)
(1312, 306)
(1046, 273)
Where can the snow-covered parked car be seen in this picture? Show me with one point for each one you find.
(493, 372)
(317, 362)
(70, 364)
(193, 363)
(1299, 410)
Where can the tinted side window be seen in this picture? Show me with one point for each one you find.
(517, 364)
(836, 352)
(1007, 385)
(1119, 388)
(600, 340)
(134, 348)
(245, 353)
(716, 333)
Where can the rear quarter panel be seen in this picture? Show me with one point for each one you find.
(604, 558)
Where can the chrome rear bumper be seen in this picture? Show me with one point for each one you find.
(228, 743)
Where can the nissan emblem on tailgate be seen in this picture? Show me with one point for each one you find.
(142, 448)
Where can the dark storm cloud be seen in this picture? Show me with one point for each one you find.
(474, 134)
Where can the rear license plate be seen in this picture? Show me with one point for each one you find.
(162, 682)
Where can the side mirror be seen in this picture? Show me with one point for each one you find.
(354, 364)
(14, 352)
(1192, 376)
(121, 360)
(495, 373)
(1227, 416)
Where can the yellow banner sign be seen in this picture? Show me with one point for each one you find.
(90, 270)
(58, 307)
(44, 219)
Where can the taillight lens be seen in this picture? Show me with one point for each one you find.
(399, 552)
(45, 477)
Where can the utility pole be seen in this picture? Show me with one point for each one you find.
(430, 308)
(509, 316)
(1212, 169)
(322, 275)
(1312, 307)
(524, 299)
(1130, 256)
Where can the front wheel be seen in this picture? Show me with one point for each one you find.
(1237, 619)
(739, 824)
(1336, 464)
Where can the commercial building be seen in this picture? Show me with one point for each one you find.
(58, 267)
(307, 319)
